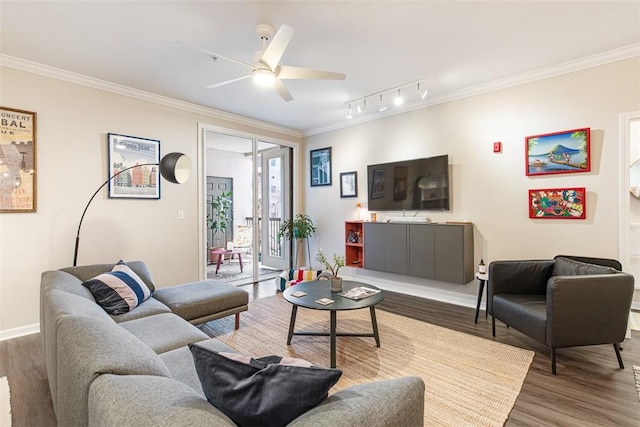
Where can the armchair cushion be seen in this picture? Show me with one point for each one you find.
(569, 267)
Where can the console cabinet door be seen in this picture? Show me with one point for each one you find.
(421, 250)
(449, 258)
(386, 247)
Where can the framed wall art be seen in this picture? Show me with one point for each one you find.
(559, 152)
(18, 189)
(348, 184)
(142, 182)
(558, 203)
(321, 167)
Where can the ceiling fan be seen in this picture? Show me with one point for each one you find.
(266, 70)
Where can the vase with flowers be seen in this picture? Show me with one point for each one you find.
(333, 267)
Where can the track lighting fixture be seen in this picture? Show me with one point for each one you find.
(398, 99)
(423, 94)
(407, 98)
(349, 116)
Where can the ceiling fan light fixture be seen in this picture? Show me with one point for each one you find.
(264, 77)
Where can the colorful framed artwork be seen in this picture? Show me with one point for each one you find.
(321, 167)
(18, 187)
(558, 203)
(559, 152)
(377, 189)
(136, 160)
(348, 184)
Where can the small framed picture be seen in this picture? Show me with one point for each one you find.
(558, 152)
(558, 203)
(321, 167)
(135, 161)
(348, 184)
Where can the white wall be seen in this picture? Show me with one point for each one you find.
(491, 189)
(72, 123)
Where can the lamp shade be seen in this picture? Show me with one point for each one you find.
(176, 168)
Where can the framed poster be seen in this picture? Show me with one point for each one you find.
(348, 184)
(558, 203)
(18, 175)
(321, 167)
(377, 189)
(136, 161)
(559, 152)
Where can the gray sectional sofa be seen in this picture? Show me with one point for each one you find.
(135, 369)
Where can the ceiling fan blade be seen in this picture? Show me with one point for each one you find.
(277, 46)
(282, 90)
(212, 54)
(286, 72)
(228, 81)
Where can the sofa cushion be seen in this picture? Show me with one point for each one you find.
(201, 299)
(277, 390)
(181, 366)
(118, 291)
(292, 277)
(164, 332)
(150, 307)
(569, 267)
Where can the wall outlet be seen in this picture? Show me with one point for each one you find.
(180, 214)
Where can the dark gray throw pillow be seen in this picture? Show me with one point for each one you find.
(268, 391)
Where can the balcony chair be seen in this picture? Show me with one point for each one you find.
(564, 302)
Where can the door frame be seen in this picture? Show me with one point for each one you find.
(296, 182)
(624, 222)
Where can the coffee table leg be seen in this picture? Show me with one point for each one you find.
(333, 338)
(292, 323)
(374, 322)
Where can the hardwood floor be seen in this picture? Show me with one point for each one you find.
(589, 389)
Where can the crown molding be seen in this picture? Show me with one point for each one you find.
(591, 61)
(60, 74)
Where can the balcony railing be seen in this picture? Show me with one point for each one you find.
(274, 246)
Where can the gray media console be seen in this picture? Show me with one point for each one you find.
(434, 251)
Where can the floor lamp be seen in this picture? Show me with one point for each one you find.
(174, 167)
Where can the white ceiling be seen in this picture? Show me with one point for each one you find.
(454, 45)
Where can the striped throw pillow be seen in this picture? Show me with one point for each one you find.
(118, 291)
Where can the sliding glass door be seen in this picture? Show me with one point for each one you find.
(251, 178)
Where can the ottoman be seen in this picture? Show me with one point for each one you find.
(200, 302)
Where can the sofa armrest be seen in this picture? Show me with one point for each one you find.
(518, 277)
(588, 309)
(397, 402)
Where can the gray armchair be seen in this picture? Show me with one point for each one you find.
(564, 302)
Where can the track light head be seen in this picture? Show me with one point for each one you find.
(349, 116)
(398, 99)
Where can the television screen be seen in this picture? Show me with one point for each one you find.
(418, 184)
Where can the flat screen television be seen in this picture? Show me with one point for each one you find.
(418, 184)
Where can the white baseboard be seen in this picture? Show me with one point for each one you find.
(8, 334)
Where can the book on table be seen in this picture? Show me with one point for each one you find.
(359, 293)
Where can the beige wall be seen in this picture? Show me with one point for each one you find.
(73, 121)
(491, 189)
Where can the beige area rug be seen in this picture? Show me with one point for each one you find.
(469, 380)
(5, 403)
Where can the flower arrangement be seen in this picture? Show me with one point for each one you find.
(338, 261)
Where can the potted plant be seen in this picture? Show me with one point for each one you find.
(332, 274)
(299, 228)
(220, 216)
